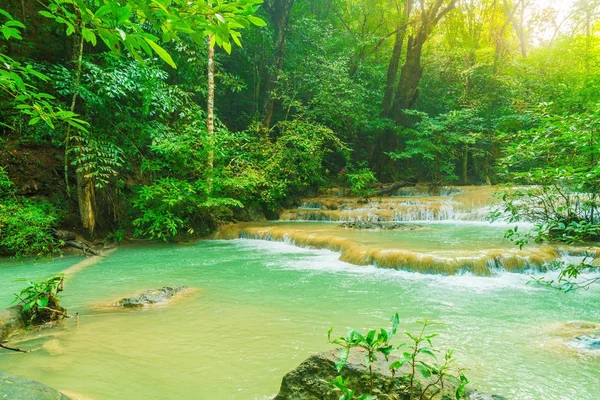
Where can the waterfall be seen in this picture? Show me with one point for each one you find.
(410, 205)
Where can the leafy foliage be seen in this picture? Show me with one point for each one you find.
(25, 225)
(361, 182)
(420, 357)
(40, 300)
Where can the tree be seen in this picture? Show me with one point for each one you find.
(404, 10)
(122, 27)
(428, 16)
(279, 13)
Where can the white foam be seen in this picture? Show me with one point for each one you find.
(326, 261)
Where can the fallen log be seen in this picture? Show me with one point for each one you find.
(391, 189)
(13, 348)
(82, 246)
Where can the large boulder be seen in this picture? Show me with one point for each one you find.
(152, 296)
(11, 321)
(17, 388)
(309, 381)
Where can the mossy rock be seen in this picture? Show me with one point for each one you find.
(309, 381)
(18, 388)
(11, 321)
(151, 297)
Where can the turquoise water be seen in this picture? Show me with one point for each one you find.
(13, 270)
(263, 307)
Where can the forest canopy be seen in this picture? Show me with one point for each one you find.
(158, 118)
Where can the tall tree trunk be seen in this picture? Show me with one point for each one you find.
(210, 114)
(407, 91)
(412, 71)
(394, 65)
(279, 11)
(86, 197)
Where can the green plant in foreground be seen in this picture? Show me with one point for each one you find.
(40, 300)
(420, 357)
(373, 343)
(348, 394)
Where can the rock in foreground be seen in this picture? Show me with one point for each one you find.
(17, 388)
(309, 381)
(152, 296)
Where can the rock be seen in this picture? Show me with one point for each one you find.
(483, 396)
(60, 234)
(11, 321)
(309, 381)
(17, 388)
(589, 342)
(249, 213)
(380, 225)
(152, 296)
(582, 336)
(53, 347)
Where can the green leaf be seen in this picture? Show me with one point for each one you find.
(256, 21)
(227, 46)
(43, 302)
(47, 14)
(161, 53)
(424, 370)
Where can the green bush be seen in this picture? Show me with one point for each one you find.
(361, 182)
(171, 206)
(25, 225)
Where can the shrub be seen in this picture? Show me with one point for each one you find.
(40, 300)
(361, 182)
(25, 225)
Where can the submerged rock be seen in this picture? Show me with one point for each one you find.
(379, 225)
(17, 388)
(152, 296)
(589, 342)
(483, 396)
(583, 336)
(11, 321)
(309, 381)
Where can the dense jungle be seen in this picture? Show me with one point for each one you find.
(192, 193)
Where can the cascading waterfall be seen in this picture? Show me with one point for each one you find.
(466, 204)
(447, 234)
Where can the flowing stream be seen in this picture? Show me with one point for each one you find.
(262, 307)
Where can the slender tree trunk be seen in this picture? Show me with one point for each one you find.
(279, 11)
(210, 114)
(521, 30)
(78, 63)
(86, 188)
(518, 24)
